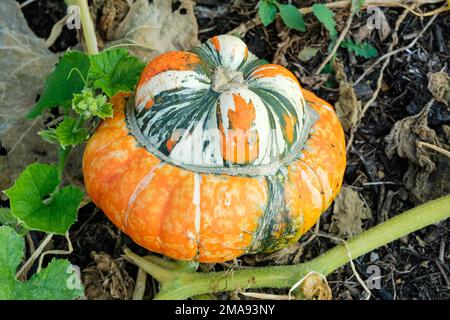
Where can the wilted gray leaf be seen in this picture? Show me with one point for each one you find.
(25, 63)
(384, 29)
(150, 29)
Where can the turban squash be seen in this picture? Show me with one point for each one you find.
(217, 154)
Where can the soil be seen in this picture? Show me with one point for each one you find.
(416, 266)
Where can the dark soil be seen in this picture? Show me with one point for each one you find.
(411, 268)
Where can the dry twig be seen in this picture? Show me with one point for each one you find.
(433, 147)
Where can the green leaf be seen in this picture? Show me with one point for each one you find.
(291, 17)
(325, 16)
(37, 201)
(52, 283)
(328, 69)
(267, 12)
(363, 49)
(59, 87)
(307, 53)
(114, 71)
(357, 5)
(49, 135)
(7, 219)
(88, 105)
(69, 134)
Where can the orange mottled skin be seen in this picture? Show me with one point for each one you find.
(241, 133)
(162, 216)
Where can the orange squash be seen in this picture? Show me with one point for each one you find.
(217, 154)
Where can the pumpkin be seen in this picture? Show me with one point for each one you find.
(217, 154)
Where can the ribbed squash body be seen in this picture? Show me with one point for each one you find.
(217, 154)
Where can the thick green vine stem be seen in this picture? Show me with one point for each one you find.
(87, 24)
(178, 283)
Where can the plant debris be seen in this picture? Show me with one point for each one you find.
(150, 29)
(403, 141)
(314, 286)
(348, 213)
(348, 108)
(25, 64)
(384, 30)
(107, 279)
(439, 86)
(111, 13)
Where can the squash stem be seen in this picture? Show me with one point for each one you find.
(156, 271)
(87, 24)
(182, 285)
(63, 153)
(161, 262)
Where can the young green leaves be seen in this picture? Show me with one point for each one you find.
(40, 204)
(325, 16)
(292, 18)
(56, 282)
(88, 105)
(290, 15)
(68, 133)
(267, 12)
(362, 49)
(74, 83)
(62, 83)
(112, 71)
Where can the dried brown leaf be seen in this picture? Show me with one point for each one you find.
(348, 108)
(427, 175)
(314, 286)
(24, 65)
(439, 86)
(107, 279)
(150, 29)
(348, 212)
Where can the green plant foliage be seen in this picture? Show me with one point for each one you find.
(88, 105)
(326, 17)
(357, 5)
(7, 219)
(69, 134)
(114, 71)
(362, 49)
(291, 17)
(36, 199)
(267, 12)
(56, 282)
(62, 83)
